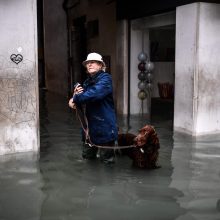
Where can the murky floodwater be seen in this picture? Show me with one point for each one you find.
(58, 185)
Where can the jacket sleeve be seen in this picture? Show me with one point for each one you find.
(97, 91)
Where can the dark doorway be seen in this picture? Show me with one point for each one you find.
(77, 51)
(162, 54)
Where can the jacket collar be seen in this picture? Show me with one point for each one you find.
(92, 79)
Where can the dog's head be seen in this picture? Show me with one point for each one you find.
(145, 135)
(144, 152)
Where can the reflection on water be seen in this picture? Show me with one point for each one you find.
(58, 184)
(20, 187)
(197, 175)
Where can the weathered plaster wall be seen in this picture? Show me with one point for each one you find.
(208, 110)
(197, 71)
(186, 24)
(19, 120)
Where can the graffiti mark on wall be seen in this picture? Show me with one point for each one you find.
(17, 91)
(16, 58)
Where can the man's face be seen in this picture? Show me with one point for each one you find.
(93, 67)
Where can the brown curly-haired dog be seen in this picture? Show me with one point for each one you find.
(145, 152)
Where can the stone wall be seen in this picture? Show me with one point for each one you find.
(19, 114)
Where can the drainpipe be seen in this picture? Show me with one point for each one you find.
(129, 73)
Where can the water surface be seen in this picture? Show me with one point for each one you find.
(57, 184)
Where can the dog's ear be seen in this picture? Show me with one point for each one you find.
(142, 130)
(148, 128)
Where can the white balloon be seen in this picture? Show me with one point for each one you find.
(149, 66)
(149, 77)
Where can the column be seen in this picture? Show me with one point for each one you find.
(197, 70)
(19, 114)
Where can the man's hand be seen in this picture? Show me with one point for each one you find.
(72, 104)
(78, 89)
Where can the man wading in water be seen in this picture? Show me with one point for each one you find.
(96, 95)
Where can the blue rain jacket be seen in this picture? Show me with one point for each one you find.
(100, 110)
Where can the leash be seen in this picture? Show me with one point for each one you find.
(80, 112)
(109, 147)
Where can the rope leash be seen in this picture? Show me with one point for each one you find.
(88, 141)
(109, 147)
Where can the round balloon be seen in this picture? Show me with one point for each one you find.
(149, 77)
(149, 66)
(142, 95)
(142, 76)
(141, 66)
(149, 86)
(142, 85)
(142, 56)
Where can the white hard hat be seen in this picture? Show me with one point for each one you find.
(94, 57)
